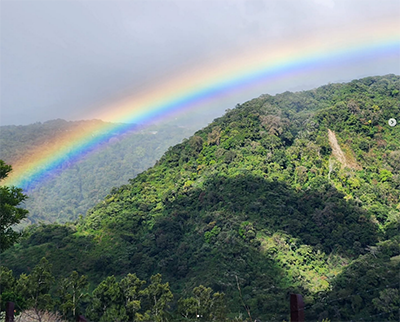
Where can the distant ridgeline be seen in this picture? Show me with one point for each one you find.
(292, 193)
(79, 186)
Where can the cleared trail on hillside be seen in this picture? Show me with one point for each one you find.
(336, 150)
(338, 153)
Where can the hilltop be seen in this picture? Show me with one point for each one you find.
(297, 192)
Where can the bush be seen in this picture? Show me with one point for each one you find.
(43, 316)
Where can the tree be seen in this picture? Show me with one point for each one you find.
(388, 302)
(35, 288)
(7, 289)
(71, 291)
(203, 305)
(10, 213)
(131, 288)
(107, 302)
(159, 295)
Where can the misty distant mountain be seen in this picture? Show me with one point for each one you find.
(79, 186)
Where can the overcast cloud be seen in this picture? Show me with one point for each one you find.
(59, 58)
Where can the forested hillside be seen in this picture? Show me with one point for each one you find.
(81, 185)
(292, 193)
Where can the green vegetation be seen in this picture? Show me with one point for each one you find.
(255, 206)
(126, 299)
(79, 186)
(10, 211)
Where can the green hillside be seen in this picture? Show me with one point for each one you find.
(297, 192)
(81, 185)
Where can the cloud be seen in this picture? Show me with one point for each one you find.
(327, 3)
(60, 58)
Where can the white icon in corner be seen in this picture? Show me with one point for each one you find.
(392, 122)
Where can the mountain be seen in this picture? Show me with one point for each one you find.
(292, 193)
(81, 185)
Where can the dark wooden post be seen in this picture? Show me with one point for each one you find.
(10, 312)
(296, 308)
(81, 318)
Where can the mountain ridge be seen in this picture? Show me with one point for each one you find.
(256, 197)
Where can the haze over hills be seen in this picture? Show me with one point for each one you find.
(76, 187)
(292, 193)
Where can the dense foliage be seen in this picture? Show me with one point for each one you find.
(112, 300)
(79, 186)
(257, 205)
(11, 212)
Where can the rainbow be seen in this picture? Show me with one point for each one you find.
(214, 81)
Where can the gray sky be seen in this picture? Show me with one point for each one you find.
(62, 59)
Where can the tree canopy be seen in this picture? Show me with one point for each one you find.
(10, 211)
(292, 193)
